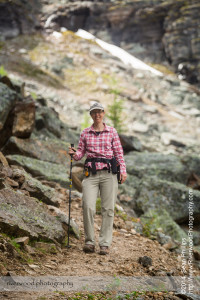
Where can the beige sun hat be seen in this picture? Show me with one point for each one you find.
(96, 105)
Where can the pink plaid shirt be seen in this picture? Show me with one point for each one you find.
(106, 144)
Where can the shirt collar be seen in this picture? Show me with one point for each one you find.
(106, 128)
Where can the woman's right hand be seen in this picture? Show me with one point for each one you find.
(71, 151)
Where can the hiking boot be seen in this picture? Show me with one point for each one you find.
(104, 250)
(88, 248)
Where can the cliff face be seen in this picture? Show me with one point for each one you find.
(181, 39)
(18, 17)
(160, 31)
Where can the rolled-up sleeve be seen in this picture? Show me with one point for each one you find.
(81, 148)
(118, 151)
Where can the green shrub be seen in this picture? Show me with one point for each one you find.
(86, 121)
(98, 206)
(3, 71)
(115, 113)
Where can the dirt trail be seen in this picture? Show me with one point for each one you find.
(121, 261)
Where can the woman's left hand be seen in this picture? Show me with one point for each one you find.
(123, 177)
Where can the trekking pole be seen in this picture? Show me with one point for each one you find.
(70, 190)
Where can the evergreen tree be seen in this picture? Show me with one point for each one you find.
(115, 114)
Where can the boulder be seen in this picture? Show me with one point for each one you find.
(130, 143)
(77, 177)
(8, 101)
(129, 187)
(192, 163)
(42, 169)
(154, 193)
(17, 177)
(54, 151)
(35, 188)
(21, 216)
(46, 247)
(166, 167)
(48, 118)
(22, 240)
(49, 126)
(6, 80)
(24, 119)
(65, 220)
(160, 218)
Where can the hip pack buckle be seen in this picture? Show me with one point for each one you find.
(87, 172)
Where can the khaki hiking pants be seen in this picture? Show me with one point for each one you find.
(107, 184)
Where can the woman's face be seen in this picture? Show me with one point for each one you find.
(97, 115)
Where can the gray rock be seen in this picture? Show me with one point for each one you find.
(25, 216)
(130, 143)
(47, 247)
(130, 186)
(168, 167)
(155, 193)
(169, 139)
(163, 238)
(192, 163)
(64, 219)
(187, 296)
(140, 127)
(48, 125)
(48, 118)
(8, 100)
(160, 218)
(36, 189)
(53, 150)
(138, 227)
(22, 241)
(145, 261)
(74, 227)
(77, 177)
(41, 169)
(24, 118)
(29, 249)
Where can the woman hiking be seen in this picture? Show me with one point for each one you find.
(104, 153)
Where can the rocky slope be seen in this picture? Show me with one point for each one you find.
(164, 118)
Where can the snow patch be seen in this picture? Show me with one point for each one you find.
(125, 57)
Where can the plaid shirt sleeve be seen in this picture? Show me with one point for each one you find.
(118, 151)
(81, 148)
